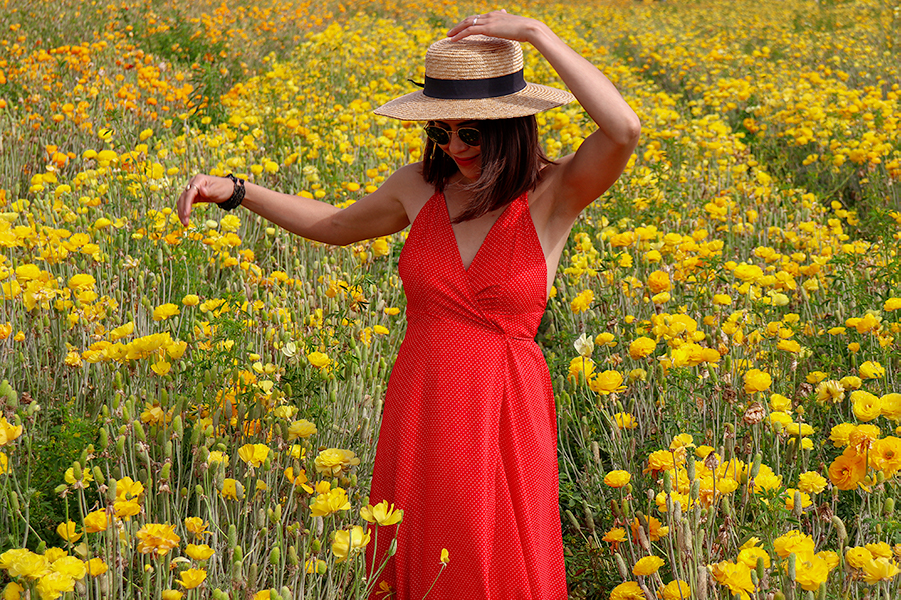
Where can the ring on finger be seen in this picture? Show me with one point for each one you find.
(188, 189)
(475, 21)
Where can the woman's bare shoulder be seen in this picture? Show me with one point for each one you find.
(411, 188)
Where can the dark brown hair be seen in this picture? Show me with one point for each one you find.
(511, 161)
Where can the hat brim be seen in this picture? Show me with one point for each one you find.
(532, 99)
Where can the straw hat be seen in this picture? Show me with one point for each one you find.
(478, 78)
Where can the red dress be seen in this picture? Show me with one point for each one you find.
(468, 442)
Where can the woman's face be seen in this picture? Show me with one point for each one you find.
(468, 158)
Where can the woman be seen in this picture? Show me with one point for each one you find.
(467, 446)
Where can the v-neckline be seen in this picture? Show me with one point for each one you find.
(453, 234)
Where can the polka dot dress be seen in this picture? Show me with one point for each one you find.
(468, 443)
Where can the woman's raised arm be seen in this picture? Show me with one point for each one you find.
(377, 214)
(601, 158)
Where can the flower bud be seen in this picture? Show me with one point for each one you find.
(573, 520)
(621, 566)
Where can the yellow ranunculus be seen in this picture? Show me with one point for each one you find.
(253, 454)
(647, 565)
(67, 531)
(346, 543)
(617, 479)
(607, 382)
(382, 514)
(199, 551)
(191, 578)
(641, 347)
(757, 381)
(301, 429)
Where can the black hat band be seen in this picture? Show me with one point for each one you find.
(471, 89)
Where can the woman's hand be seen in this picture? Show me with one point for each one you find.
(497, 24)
(203, 188)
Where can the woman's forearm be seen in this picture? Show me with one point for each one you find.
(597, 95)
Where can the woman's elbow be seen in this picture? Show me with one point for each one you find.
(630, 131)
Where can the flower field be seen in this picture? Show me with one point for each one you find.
(192, 412)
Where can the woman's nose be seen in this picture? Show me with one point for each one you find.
(456, 144)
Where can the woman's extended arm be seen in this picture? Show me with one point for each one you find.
(377, 214)
(601, 158)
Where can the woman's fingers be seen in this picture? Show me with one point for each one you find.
(195, 191)
(495, 24)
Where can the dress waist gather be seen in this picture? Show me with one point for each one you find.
(423, 320)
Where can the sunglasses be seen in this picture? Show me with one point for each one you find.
(441, 136)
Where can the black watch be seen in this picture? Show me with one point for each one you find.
(237, 195)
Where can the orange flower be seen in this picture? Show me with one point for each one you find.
(848, 470)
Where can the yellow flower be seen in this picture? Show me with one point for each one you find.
(793, 542)
(675, 590)
(157, 539)
(582, 302)
(196, 526)
(659, 281)
(641, 347)
(757, 381)
(8, 432)
(176, 595)
(232, 489)
(605, 339)
(382, 514)
(445, 556)
(811, 571)
(625, 420)
(53, 585)
(95, 521)
(253, 454)
(647, 565)
(199, 551)
(67, 531)
(68, 565)
(880, 550)
(811, 482)
(735, 576)
(191, 578)
(330, 502)
(346, 543)
(615, 536)
(81, 281)
(86, 476)
(627, 591)
(871, 370)
(885, 455)
(890, 405)
(319, 360)
(866, 406)
(165, 311)
(857, 556)
(583, 365)
(617, 479)
(752, 554)
(334, 461)
(96, 567)
(13, 591)
(301, 429)
(655, 531)
(607, 382)
(830, 391)
(778, 402)
(848, 470)
(879, 569)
